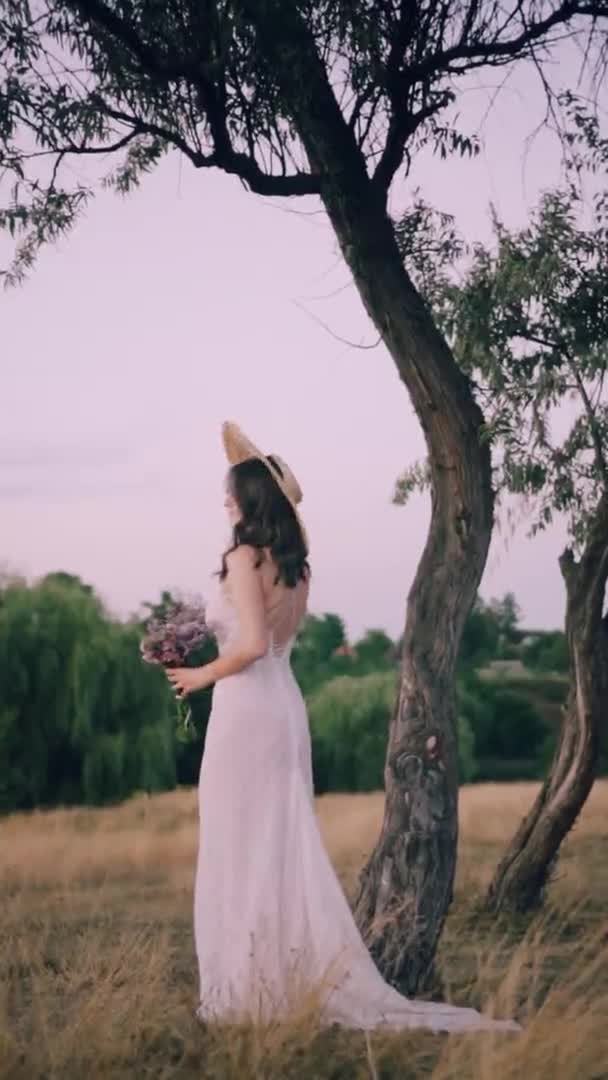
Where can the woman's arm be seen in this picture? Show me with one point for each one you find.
(252, 638)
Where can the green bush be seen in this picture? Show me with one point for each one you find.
(349, 722)
(545, 687)
(547, 652)
(506, 723)
(349, 719)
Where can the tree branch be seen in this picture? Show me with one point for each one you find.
(596, 437)
(167, 70)
(401, 127)
(231, 162)
(497, 50)
(93, 11)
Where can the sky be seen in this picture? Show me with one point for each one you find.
(193, 301)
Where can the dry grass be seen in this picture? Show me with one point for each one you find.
(98, 974)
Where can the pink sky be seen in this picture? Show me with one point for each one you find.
(167, 312)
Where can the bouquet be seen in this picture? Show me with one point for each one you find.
(170, 638)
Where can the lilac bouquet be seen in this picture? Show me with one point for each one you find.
(172, 635)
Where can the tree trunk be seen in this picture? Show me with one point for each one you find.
(406, 887)
(525, 869)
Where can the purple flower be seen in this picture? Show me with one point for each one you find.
(171, 637)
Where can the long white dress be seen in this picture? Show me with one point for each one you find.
(271, 919)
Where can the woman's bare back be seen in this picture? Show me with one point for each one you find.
(285, 606)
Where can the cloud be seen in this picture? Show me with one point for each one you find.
(70, 471)
(66, 455)
(76, 488)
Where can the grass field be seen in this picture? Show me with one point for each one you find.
(97, 973)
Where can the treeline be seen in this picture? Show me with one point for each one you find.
(84, 720)
(510, 689)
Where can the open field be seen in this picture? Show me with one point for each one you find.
(97, 973)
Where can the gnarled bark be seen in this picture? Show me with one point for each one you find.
(526, 866)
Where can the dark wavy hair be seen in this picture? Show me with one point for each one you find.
(267, 521)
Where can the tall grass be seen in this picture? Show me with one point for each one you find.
(97, 972)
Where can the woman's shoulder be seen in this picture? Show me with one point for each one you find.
(244, 556)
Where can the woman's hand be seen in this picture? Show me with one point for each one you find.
(186, 680)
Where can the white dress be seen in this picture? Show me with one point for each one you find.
(271, 919)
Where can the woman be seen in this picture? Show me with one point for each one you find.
(271, 920)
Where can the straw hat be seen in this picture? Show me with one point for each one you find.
(239, 448)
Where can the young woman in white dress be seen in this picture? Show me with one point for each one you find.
(271, 919)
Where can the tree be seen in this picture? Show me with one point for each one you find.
(82, 718)
(547, 652)
(480, 636)
(314, 651)
(330, 99)
(49, 636)
(320, 636)
(531, 321)
(507, 614)
(374, 652)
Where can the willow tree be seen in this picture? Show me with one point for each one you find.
(81, 718)
(326, 98)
